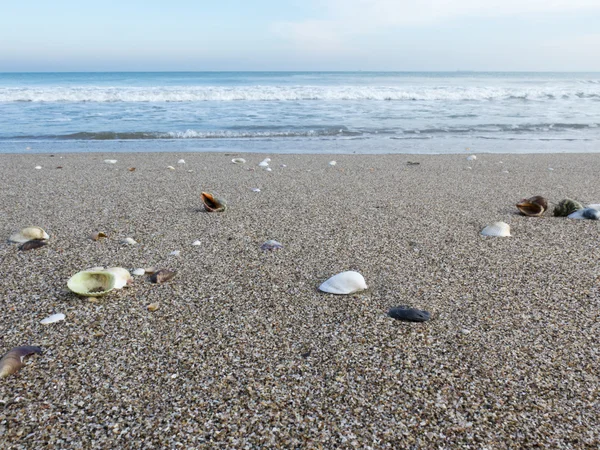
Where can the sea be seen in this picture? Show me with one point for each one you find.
(300, 112)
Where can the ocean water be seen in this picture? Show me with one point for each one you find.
(300, 112)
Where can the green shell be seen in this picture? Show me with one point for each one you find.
(92, 283)
(566, 207)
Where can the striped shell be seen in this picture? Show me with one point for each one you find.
(497, 229)
(12, 361)
(533, 207)
(566, 207)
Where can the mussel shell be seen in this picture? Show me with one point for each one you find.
(407, 314)
(12, 361)
(566, 207)
(212, 203)
(162, 276)
(32, 244)
(534, 206)
(92, 283)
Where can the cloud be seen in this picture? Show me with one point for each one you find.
(339, 19)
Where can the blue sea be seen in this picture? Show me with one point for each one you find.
(300, 112)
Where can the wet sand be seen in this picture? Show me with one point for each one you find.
(245, 352)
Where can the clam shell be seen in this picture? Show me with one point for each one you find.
(122, 276)
(27, 234)
(344, 283)
(129, 241)
(566, 207)
(238, 161)
(497, 229)
(332, 163)
(212, 203)
(271, 245)
(533, 207)
(110, 161)
(34, 243)
(53, 318)
(12, 361)
(263, 164)
(407, 314)
(181, 161)
(92, 283)
(586, 213)
(162, 276)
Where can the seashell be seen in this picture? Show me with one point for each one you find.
(238, 161)
(53, 318)
(153, 306)
(38, 167)
(34, 243)
(131, 169)
(196, 243)
(97, 235)
(533, 207)
(181, 161)
(586, 213)
(471, 158)
(175, 253)
(344, 283)
(162, 276)
(150, 270)
(27, 234)
(110, 161)
(139, 272)
(332, 163)
(498, 229)
(594, 206)
(271, 245)
(12, 361)
(129, 241)
(566, 207)
(92, 283)
(122, 276)
(212, 203)
(170, 167)
(255, 190)
(263, 164)
(407, 314)
(268, 169)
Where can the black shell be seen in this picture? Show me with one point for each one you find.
(407, 314)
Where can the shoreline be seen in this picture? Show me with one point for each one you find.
(244, 350)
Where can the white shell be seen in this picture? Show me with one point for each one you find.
(122, 276)
(255, 190)
(38, 167)
(181, 161)
(170, 167)
(471, 158)
(110, 161)
(579, 214)
(332, 163)
(53, 318)
(238, 161)
(27, 234)
(594, 205)
(498, 229)
(268, 169)
(175, 253)
(139, 272)
(344, 283)
(196, 243)
(129, 241)
(263, 164)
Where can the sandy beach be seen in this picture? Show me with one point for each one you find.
(245, 352)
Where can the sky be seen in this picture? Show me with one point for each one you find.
(269, 35)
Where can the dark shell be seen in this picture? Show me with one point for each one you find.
(534, 206)
(13, 360)
(566, 207)
(407, 314)
(591, 213)
(34, 243)
(162, 276)
(212, 204)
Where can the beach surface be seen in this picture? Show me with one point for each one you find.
(245, 352)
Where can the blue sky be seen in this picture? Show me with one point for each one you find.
(65, 35)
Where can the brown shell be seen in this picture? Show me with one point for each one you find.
(211, 203)
(534, 206)
(98, 235)
(13, 360)
(162, 276)
(34, 243)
